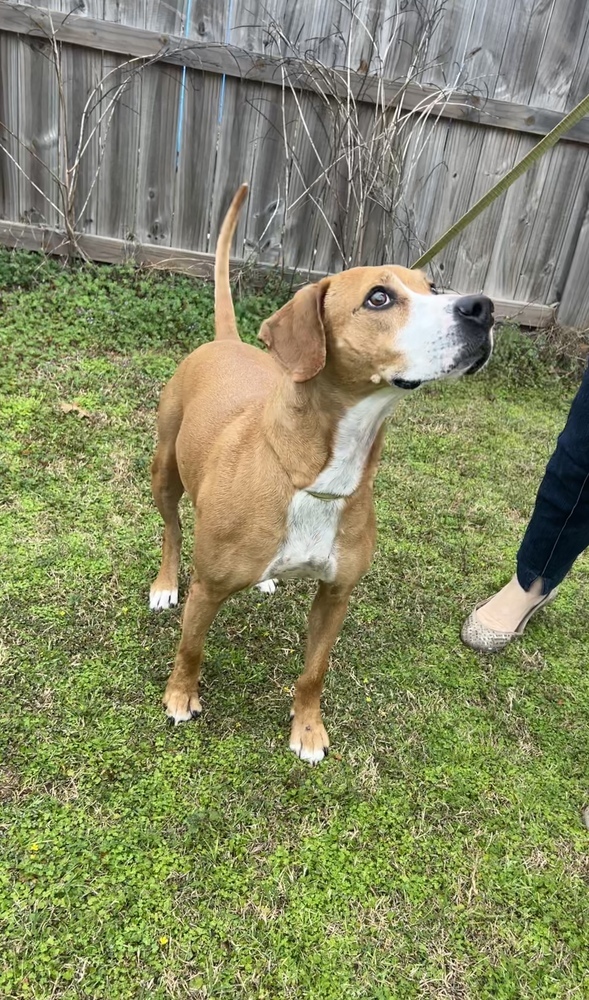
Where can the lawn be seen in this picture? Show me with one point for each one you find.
(438, 853)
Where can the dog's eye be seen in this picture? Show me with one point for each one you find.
(378, 298)
(433, 290)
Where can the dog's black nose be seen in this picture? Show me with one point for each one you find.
(476, 309)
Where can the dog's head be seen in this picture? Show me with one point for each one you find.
(380, 325)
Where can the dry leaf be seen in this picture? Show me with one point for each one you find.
(74, 408)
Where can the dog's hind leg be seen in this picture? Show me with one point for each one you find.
(167, 488)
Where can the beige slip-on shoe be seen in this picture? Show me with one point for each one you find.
(485, 639)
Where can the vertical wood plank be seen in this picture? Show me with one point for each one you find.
(525, 40)
(574, 307)
(308, 241)
(424, 175)
(81, 70)
(119, 179)
(266, 215)
(448, 29)
(306, 28)
(474, 247)
(579, 81)
(167, 16)
(116, 207)
(126, 12)
(522, 202)
(462, 156)
(161, 86)
(196, 161)
(9, 173)
(480, 55)
(208, 21)
(77, 8)
(235, 154)
(559, 55)
(82, 73)
(38, 124)
(562, 200)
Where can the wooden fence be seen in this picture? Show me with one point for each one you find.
(295, 97)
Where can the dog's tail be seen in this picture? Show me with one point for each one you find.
(225, 325)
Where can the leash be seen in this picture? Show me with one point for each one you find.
(506, 181)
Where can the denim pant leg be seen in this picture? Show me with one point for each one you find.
(559, 527)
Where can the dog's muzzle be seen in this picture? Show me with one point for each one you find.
(474, 319)
(402, 383)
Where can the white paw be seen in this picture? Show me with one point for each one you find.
(182, 715)
(179, 716)
(310, 756)
(159, 600)
(267, 586)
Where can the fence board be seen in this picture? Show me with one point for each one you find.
(305, 27)
(448, 41)
(9, 173)
(574, 307)
(530, 22)
(157, 154)
(475, 245)
(265, 232)
(235, 153)
(82, 72)
(38, 114)
(300, 232)
(580, 75)
(196, 161)
(208, 21)
(563, 199)
(117, 183)
(462, 159)
(423, 180)
(166, 16)
(485, 47)
(520, 207)
(309, 242)
(560, 54)
(125, 12)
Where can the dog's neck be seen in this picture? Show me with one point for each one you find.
(323, 439)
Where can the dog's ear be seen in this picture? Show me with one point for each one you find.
(295, 335)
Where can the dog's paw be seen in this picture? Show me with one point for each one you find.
(267, 586)
(160, 600)
(181, 706)
(309, 740)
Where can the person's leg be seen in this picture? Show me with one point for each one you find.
(557, 533)
(558, 530)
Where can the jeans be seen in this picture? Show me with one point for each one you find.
(558, 530)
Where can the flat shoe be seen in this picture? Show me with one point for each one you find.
(485, 639)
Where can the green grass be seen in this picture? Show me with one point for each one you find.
(437, 853)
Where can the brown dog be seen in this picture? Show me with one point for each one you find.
(279, 451)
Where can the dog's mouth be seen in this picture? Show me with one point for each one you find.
(402, 383)
(481, 361)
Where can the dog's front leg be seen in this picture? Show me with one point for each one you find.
(308, 737)
(181, 698)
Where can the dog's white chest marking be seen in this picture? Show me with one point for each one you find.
(309, 548)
